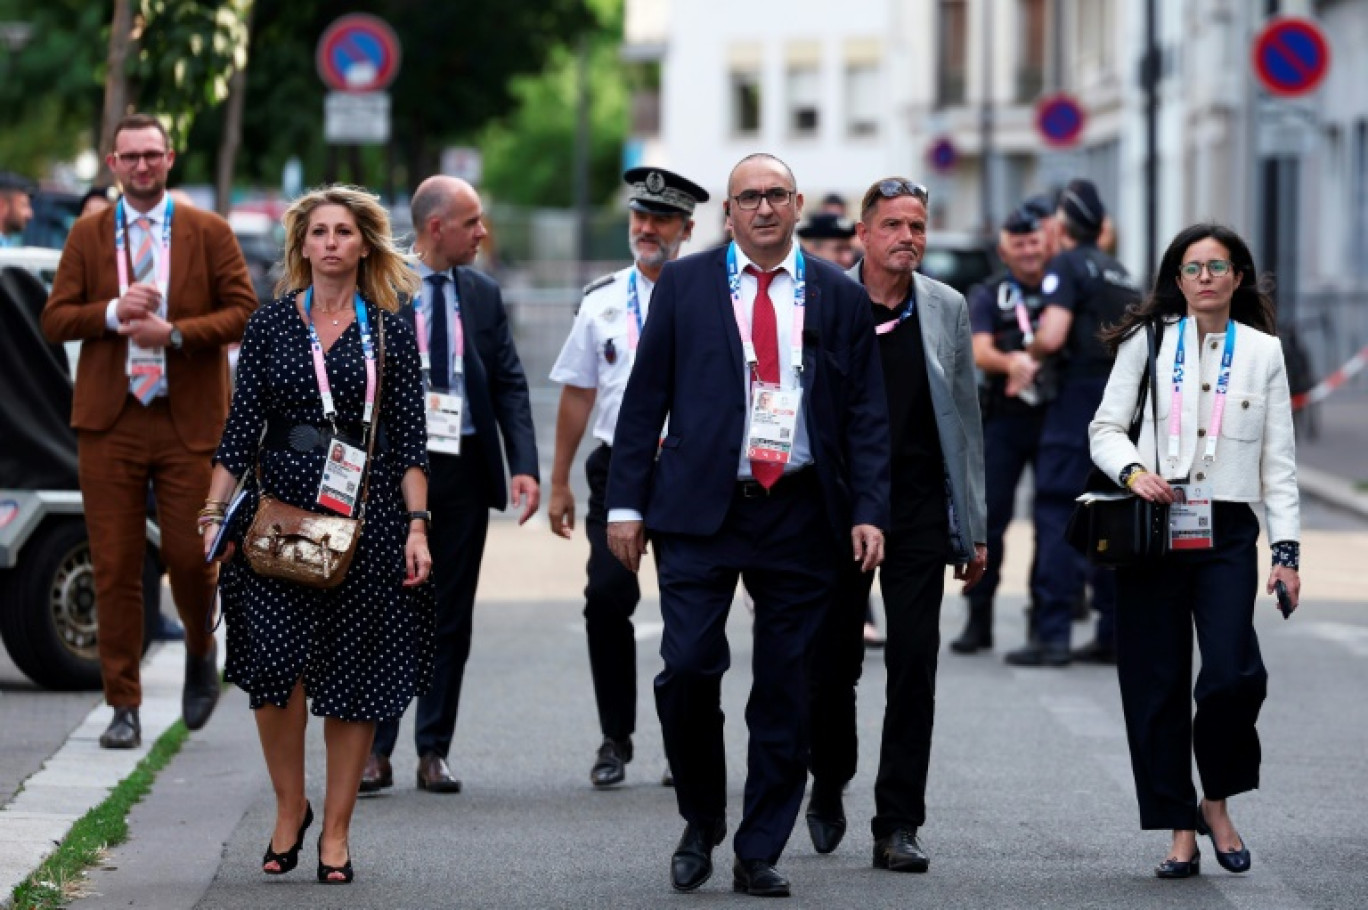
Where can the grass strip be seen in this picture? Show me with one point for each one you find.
(51, 885)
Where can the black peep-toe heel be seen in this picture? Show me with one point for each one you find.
(326, 872)
(290, 858)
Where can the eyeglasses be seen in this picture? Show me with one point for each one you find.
(749, 200)
(1216, 268)
(151, 159)
(893, 188)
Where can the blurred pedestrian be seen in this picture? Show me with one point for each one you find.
(938, 516)
(1004, 313)
(1085, 291)
(150, 400)
(16, 209)
(97, 199)
(593, 367)
(363, 649)
(777, 501)
(829, 236)
(477, 396)
(1223, 440)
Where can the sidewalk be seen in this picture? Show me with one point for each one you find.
(1332, 451)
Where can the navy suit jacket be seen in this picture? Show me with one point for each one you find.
(689, 366)
(496, 387)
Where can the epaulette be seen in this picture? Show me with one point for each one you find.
(600, 283)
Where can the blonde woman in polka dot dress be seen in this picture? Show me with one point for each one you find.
(363, 650)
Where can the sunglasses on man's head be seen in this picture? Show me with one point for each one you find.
(892, 189)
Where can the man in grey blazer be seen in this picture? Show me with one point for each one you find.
(939, 517)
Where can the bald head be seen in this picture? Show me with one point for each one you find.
(448, 220)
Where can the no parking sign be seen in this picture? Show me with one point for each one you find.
(358, 53)
(1291, 57)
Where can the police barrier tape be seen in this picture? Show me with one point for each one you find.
(1332, 382)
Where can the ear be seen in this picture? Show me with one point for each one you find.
(798, 204)
(687, 233)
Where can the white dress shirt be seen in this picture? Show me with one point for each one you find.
(423, 306)
(157, 217)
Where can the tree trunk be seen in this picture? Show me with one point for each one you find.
(116, 81)
(232, 127)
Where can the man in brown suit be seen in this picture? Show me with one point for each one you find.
(150, 403)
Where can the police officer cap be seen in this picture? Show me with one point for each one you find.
(1082, 204)
(657, 191)
(1041, 205)
(11, 182)
(1022, 220)
(827, 226)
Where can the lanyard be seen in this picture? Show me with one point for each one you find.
(1222, 389)
(884, 328)
(1010, 298)
(743, 324)
(121, 244)
(634, 325)
(321, 368)
(457, 335)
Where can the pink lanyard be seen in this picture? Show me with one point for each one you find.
(121, 244)
(321, 367)
(457, 336)
(743, 324)
(1222, 390)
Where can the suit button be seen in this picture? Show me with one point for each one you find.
(1200, 476)
(1201, 432)
(1206, 387)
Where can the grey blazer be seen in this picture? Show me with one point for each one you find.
(944, 318)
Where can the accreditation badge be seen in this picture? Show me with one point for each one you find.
(146, 367)
(1190, 517)
(444, 422)
(341, 484)
(773, 423)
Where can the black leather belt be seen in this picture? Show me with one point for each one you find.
(308, 437)
(792, 482)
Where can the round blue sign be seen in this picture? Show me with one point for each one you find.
(1060, 119)
(358, 53)
(1291, 57)
(943, 156)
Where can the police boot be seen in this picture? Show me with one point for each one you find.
(978, 630)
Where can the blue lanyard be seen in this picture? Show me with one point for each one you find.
(884, 328)
(321, 369)
(1222, 390)
(634, 310)
(121, 244)
(743, 324)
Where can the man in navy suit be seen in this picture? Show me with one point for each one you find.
(467, 347)
(774, 491)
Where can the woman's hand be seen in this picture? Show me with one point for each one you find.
(210, 532)
(1152, 487)
(1288, 577)
(417, 560)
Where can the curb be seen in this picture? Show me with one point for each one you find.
(1333, 491)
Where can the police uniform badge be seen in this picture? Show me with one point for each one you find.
(609, 352)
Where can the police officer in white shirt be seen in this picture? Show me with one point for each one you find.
(593, 367)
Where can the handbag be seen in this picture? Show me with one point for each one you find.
(1110, 526)
(310, 548)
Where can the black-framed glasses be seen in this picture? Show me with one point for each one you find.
(1216, 268)
(749, 200)
(895, 187)
(151, 159)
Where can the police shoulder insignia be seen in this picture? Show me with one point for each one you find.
(600, 283)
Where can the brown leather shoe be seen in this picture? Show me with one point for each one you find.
(377, 775)
(434, 776)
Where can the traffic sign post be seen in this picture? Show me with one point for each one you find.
(1291, 57)
(1059, 120)
(357, 57)
(350, 119)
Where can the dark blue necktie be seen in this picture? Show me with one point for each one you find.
(439, 347)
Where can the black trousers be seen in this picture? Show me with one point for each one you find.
(1158, 607)
(460, 522)
(1010, 442)
(781, 546)
(610, 599)
(913, 581)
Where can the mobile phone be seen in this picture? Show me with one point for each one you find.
(1285, 604)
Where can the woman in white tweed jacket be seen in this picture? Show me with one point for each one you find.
(1224, 432)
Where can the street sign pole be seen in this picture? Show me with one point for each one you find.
(358, 58)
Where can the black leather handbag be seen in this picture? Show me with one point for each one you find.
(1111, 526)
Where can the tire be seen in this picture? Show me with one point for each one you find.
(47, 617)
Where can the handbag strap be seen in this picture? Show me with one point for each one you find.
(1150, 337)
(374, 428)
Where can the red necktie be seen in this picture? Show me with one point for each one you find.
(765, 337)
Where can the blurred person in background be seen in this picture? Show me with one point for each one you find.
(16, 208)
(829, 236)
(592, 368)
(97, 199)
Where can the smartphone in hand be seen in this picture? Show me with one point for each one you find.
(1285, 604)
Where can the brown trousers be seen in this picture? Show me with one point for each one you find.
(116, 466)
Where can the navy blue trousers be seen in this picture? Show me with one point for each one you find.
(782, 548)
(610, 599)
(1158, 607)
(1010, 443)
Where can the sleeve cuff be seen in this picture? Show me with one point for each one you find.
(624, 515)
(1128, 472)
(111, 315)
(1287, 553)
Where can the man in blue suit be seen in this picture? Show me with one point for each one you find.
(774, 468)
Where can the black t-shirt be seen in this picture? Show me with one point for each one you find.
(1096, 289)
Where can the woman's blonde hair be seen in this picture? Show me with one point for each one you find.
(381, 276)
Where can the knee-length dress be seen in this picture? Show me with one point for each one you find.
(364, 649)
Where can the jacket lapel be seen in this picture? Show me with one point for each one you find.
(182, 236)
(730, 329)
(931, 316)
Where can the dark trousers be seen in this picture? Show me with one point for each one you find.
(1010, 443)
(781, 547)
(460, 521)
(1215, 591)
(610, 599)
(913, 581)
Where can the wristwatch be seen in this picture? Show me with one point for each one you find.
(177, 339)
(423, 515)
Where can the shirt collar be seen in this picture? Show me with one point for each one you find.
(789, 265)
(156, 214)
(424, 271)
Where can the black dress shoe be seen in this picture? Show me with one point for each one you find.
(610, 768)
(691, 864)
(435, 777)
(201, 692)
(1095, 652)
(1034, 655)
(1177, 868)
(978, 631)
(758, 878)
(900, 851)
(124, 731)
(1230, 860)
(826, 819)
(377, 775)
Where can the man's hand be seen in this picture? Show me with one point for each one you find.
(627, 540)
(868, 543)
(1021, 373)
(526, 492)
(562, 510)
(143, 299)
(149, 331)
(972, 572)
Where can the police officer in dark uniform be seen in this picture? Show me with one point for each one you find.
(1084, 290)
(830, 236)
(1004, 313)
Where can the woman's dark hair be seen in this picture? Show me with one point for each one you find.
(1250, 303)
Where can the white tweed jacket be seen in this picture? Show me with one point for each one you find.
(1256, 457)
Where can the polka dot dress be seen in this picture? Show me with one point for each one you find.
(364, 648)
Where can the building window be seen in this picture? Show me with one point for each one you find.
(954, 50)
(1030, 73)
(745, 102)
(862, 99)
(1095, 39)
(804, 91)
